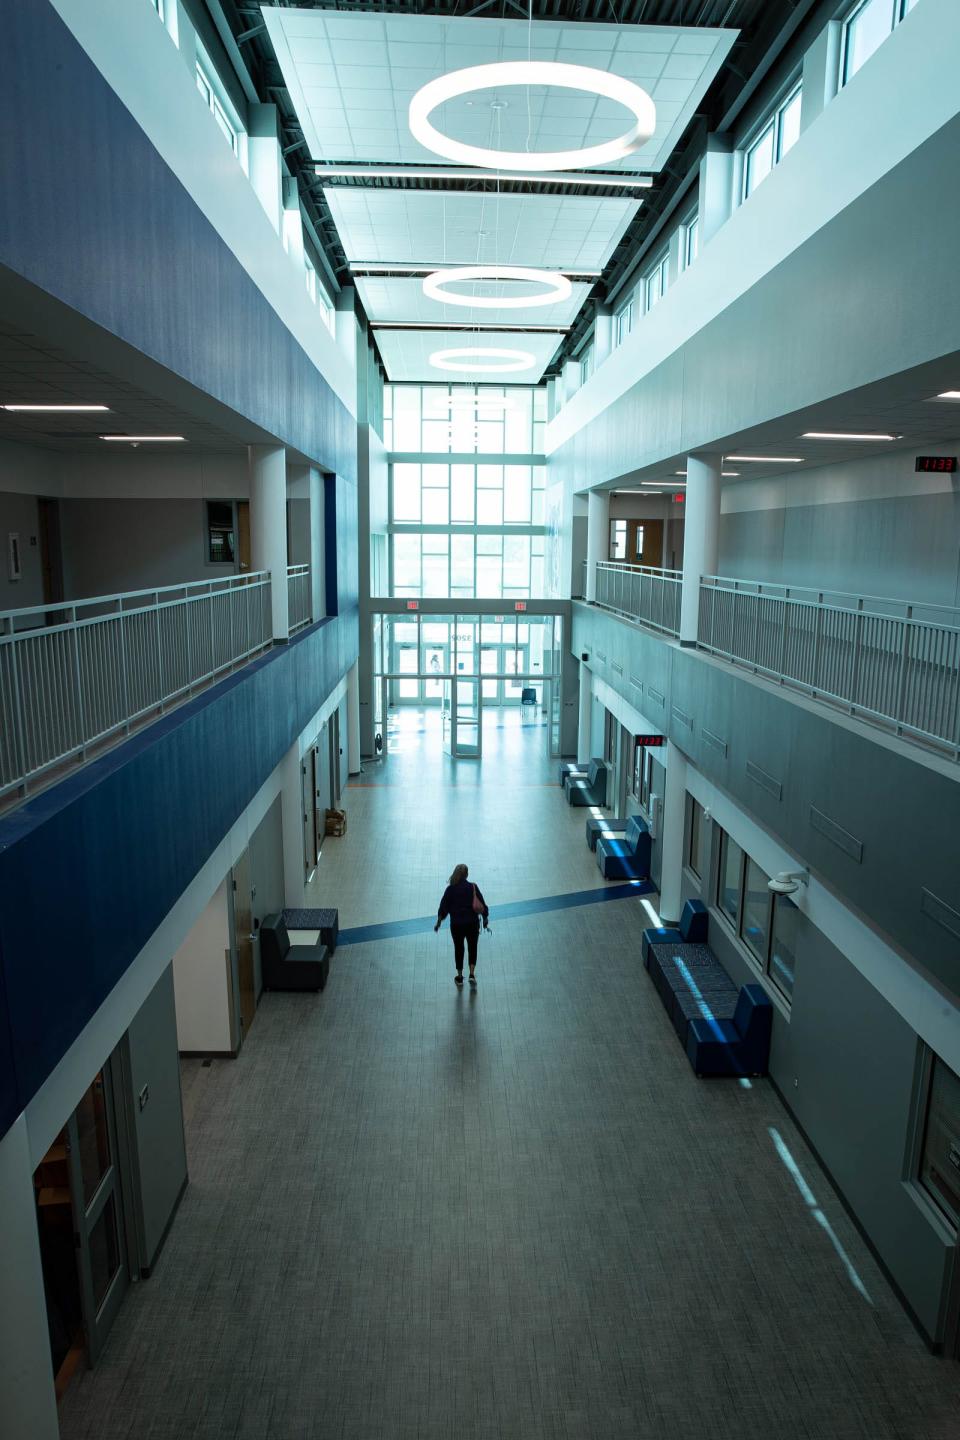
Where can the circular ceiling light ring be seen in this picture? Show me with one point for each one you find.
(465, 359)
(556, 286)
(532, 72)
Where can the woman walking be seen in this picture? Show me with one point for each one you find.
(465, 905)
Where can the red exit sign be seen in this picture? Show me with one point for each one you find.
(679, 498)
(413, 604)
(520, 605)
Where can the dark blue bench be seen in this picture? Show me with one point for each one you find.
(598, 825)
(724, 1030)
(590, 789)
(627, 858)
(573, 767)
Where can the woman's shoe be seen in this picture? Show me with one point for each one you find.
(473, 982)
(458, 979)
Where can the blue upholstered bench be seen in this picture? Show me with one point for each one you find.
(627, 858)
(590, 789)
(598, 825)
(724, 1030)
(573, 767)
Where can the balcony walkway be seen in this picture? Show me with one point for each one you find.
(415, 1212)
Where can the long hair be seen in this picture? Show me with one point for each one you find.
(459, 873)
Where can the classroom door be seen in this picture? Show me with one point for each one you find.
(94, 1179)
(245, 941)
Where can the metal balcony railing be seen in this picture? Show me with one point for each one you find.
(299, 599)
(640, 592)
(888, 661)
(78, 673)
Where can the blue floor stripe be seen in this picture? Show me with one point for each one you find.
(394, 929)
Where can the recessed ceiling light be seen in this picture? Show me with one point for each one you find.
(54, 409)
(140, 439)
(488, 359)
(532, 72)
(949, 395)
(729, 474)
(845, 435)
(768, 459)
(555, 287)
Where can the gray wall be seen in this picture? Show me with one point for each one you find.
(115, 545)
(20, 514)
(845, 1063)
(298, 532)
(906, 547)
(160, 1152)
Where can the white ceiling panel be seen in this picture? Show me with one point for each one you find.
(406, 355)
(410, 227)
(393, 299)
(351, 78)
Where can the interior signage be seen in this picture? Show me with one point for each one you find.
(650, 741)
(413, 604)
(679, 498)
(943, 463)
(520, 605)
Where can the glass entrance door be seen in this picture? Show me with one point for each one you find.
(97, 1212)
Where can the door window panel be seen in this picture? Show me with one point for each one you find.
(940, 1155)
(104, 1252)
(94, 1138)
(783, 951)
(728, 881)
(756, 912)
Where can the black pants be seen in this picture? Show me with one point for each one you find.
(469, 932)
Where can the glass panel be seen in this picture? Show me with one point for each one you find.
(461, 494)
(759, 160)
(516, 495)
(728, 881)
(104, 1252)
(516, 562)
(790, 123)
(518, 438)
(406, 417)
(489, 507)
(461, 563)
(406, 564)
(436, 577)
(437, 436)
(436, 507)
(786, 923)
(94, 1138)
(756, 911)
(618, 539)
(865, 31)
(940, 1159)
(406, 492)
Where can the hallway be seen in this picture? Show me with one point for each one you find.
(415, 1212)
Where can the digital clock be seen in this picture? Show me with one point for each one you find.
(943, 463)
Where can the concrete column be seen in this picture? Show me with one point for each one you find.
(268, 527)
(346, 323)
(671, 847)
(598, 536)
(602, 335)
(292, 822)
(318, 592)
(571, 379)
(353, 719)
(821, 72)
(716, 186)
(265, 165)
(28, 1403)
(292, 222)
(700, 537)
(585, 716)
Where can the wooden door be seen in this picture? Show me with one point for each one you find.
(243, 535)
(645, 543)
(244, 939)
(51, 562)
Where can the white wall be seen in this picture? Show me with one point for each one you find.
(903, 95)
(144, 68)
(201, 985)
(27, 1403)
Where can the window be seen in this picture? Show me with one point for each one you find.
(655, 284)
(755, 919)
(210, 91)
(618, 540)
(865, 29)
(220, 547)
(624, 318)
(940, 1152)
(586, 365)
(690, 239)
(783, 949)
(638, 543)
(464, 419)
(696, 828)
(158, 6)
(730, 879)
(310, 274)
(776, 136)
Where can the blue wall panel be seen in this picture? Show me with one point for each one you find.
(138, 258)
(90, 868)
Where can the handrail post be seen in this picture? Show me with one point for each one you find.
(160, 694)
(78, 683)
(817, 632)
(21, 736)
(902, 676)
(124, 685)
(783, 636)
(857, 650)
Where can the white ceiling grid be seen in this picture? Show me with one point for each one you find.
(351, 78)
(402, 301)
(406, 354)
